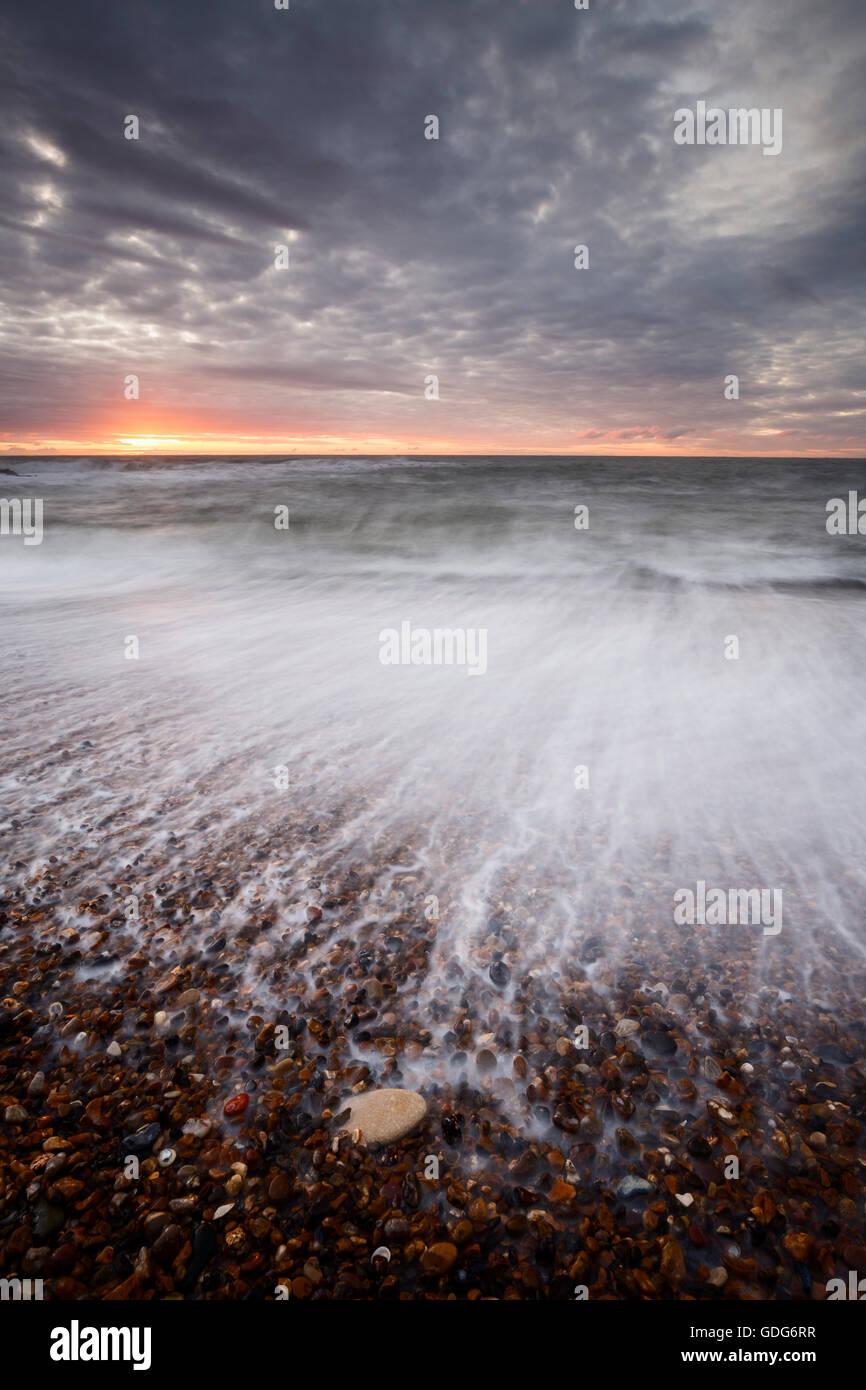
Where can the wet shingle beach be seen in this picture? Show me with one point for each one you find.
(331, 978)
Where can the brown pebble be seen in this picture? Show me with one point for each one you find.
(279, 1188)
(673, 1263)
(439, 1258)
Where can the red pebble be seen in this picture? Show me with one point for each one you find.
(61, 1260)
(697, 1237)
(237, 1105)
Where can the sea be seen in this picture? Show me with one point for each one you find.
(649, 675)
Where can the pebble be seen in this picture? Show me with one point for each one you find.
(799, 1245)
(439, 1258)
(722, 1114)
(527, 1140)
(143, 1140)
(280, 1188)
(659, 1043)
(167, 1245)
(197, 1128)
(452, 1129)
(48, 1219)
(61, 1261)
(673, 1263)
(155, 1223)
(386, 1115)
(632, 1186)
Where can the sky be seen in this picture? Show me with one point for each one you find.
(412, 258)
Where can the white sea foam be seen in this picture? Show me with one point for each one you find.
(260, 648)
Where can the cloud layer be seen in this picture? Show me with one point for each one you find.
(411, 257)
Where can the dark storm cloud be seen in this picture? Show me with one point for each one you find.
(453, 257)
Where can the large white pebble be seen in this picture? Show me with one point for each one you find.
(383, 1116)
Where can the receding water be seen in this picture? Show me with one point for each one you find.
(259, 648)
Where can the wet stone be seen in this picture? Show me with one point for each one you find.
(143, 1140)
(631, 1186)
(279, 1188)
(386, 1115)
(48, 1218)
(439, 1258)
(673, 1264)
(452, 1129)
(659, 1043)
(167, 1245)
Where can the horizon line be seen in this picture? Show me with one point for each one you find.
(437, 454)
